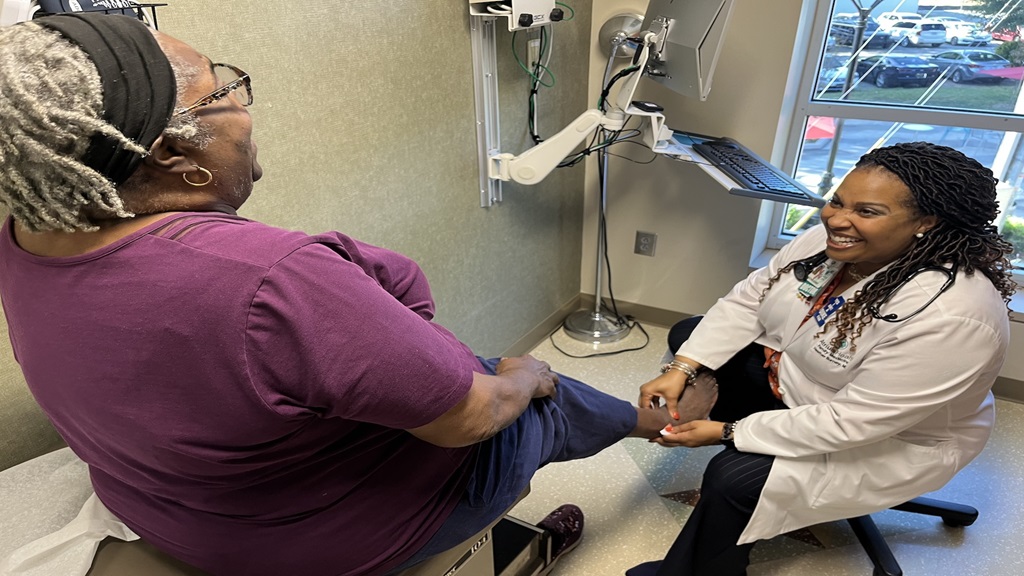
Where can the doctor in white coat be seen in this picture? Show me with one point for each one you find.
(855, 370)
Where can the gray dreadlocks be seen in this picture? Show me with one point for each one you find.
(51, 103)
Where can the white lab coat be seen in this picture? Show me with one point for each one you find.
(865, 431)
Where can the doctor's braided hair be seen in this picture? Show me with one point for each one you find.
(961, 193)
(51, 103)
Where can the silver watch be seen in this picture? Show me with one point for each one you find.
(727, 433)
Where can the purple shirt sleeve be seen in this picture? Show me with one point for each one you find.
(343, 330)
(396, 273)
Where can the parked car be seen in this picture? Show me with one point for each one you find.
(967, 65)
(966, 33)
(886, 20)
(920, 33)
(1007, 34)
(897, 70)
(844, 28)
(832, 74)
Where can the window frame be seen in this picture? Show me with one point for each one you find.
(808, 53)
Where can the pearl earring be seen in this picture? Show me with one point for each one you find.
(919, 235)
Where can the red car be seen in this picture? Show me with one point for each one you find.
(1011, 35)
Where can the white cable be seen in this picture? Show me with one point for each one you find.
(499, 8)
(550, 46)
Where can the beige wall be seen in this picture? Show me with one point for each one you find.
(364, 116)
(365, 120)
(705, 235)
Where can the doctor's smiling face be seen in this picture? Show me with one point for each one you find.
(872, 219)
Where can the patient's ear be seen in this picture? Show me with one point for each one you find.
(167, 155)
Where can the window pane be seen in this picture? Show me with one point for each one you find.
(886, 76)
(915, 63)
(831, 146)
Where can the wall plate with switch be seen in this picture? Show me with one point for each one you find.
(645, 243)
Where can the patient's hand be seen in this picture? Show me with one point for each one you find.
(544, 378)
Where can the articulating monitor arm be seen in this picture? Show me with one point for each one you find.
(535, 164)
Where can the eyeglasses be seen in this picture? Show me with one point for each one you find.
(232, 81)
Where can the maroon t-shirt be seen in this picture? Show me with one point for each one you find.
(240, 392)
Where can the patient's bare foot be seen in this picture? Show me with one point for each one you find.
(696, 403)
(698, 398)
(650, 421)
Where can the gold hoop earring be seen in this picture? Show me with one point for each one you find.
(209, 176)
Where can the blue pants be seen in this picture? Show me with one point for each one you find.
(579, 421)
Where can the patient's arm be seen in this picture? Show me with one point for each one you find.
(493, 402)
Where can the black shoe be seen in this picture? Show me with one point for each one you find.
(565, 525)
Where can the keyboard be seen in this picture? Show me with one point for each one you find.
(756, 178)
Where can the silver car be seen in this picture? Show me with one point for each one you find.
(832, 74)
(967, 65)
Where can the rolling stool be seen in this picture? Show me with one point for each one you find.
(864, 527)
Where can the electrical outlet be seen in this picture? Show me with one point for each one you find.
(645, 243)
(533, 51)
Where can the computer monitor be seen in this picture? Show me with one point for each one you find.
(690, 37)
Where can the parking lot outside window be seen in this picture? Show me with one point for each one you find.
(891, 87)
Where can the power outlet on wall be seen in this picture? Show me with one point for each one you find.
(533, 51)
(645, 243)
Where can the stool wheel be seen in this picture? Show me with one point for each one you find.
(955, 522)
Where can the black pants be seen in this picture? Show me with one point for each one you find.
(732, 481)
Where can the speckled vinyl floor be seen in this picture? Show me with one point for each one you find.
(636, 495)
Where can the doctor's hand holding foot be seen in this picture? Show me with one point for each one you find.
(854, 372)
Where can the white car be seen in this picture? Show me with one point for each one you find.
(920, 33)
(960, 32)
(887, 19)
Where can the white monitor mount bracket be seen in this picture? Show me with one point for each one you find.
(535, 164)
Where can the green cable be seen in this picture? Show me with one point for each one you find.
(572, 13)
(527, 70)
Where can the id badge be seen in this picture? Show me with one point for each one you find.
(835, 303)
(819, 278)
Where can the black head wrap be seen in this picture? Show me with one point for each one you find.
(138, 84)
(943, 181)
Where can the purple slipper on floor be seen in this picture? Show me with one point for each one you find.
(565, 524)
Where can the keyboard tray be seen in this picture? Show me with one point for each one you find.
(753, 176)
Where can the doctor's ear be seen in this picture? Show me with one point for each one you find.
(926, 225)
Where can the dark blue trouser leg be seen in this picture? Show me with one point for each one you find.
(579, 421)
